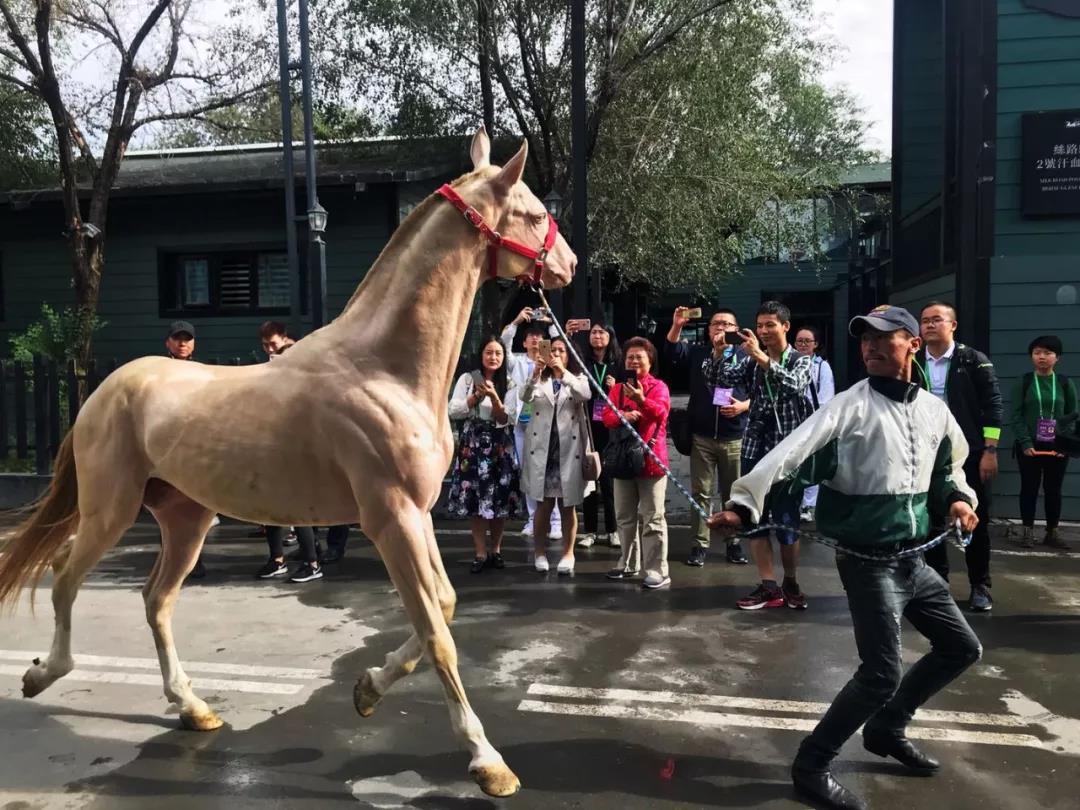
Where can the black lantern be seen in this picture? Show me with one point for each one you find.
(316, 218)
(553, 203)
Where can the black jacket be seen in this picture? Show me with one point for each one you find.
(705, 418)
(973, 394)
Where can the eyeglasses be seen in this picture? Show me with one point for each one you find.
(724, 324)
(805, 341)
(938, 321)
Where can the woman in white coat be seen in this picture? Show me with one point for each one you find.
(551, 470)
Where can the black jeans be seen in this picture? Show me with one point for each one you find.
(604, 492)
(275, 538)
(1050, 472)
(335, 539)
(879, 593)
(977, 554)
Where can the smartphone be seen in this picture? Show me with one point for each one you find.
(693, 313)
(734, 338)
(545, 350)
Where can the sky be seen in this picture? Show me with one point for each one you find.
(863, 31)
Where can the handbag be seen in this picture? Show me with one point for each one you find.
(624, 456)
(679, 428)
(591, 466)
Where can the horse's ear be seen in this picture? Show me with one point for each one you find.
(511, 173)
(480, 151)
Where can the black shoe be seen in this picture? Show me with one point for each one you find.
(272, 569)
(307, 572)
(980, 601)
(495, 560)
(478, 565)
(903, 751)
(331, 555)
(289, 539)
(823, 788)
(697, 556)
(735, 554)
(199, 571)
(618, 573)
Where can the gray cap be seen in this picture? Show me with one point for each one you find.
(181, 326)
(884, 318)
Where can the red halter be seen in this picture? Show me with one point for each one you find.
(496, 240)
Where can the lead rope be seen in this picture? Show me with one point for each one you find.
(953, 533)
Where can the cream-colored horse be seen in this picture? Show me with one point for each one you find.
(349, 426)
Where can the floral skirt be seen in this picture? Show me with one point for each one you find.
(485, 481)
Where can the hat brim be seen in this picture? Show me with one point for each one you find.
(859, 324)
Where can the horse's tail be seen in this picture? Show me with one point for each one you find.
(34, 544)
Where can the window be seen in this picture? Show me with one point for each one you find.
(226, 282)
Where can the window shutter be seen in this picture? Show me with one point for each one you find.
(234, 282)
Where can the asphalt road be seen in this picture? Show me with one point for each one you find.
(598, 694)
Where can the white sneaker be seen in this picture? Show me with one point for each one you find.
(586, 540)
(613, 538)
(555, 534)
(566, 564)
(527, 530)
(654, 581)
(541, 564)
(215, 522)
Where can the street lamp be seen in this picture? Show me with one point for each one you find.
(316, 218)
(646, 325)
(553, 202)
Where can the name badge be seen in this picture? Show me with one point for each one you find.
(598, 410)
(1046, 431)
(526, 413)
(722, 396)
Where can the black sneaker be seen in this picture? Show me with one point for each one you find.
(495, 560)
(735, 554)
(272, 569)
(618, 573)
(697, 556)
(478, 565)
(199, 571)
(290, 539)
(980, 601)
(306, 573)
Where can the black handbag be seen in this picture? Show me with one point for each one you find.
(624, 456)
(679, 429)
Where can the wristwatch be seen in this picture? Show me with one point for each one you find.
(990, 448)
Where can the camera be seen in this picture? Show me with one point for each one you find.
(538, 313)
(734, 338)
(693, 314)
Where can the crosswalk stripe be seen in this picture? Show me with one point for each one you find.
(724, 720)
(214, 684)
(189, 666)
(726, 702)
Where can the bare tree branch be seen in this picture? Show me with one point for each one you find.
(28, 88)
(202, 109)
(17, 38)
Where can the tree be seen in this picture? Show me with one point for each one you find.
(27, 157)
(702, 115)
(164, 68)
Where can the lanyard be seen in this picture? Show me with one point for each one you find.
(783, 363)
(1053, 395)
(600, 374)
(926, 376)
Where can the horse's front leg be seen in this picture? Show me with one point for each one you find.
(402, 542)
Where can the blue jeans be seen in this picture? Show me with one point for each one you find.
(879, 593)
(778, 510)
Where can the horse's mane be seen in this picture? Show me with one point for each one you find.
(411, 224)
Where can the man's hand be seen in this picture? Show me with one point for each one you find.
(679, 319)
(524, 316)
(752, 346)
(963, 512)
(988, 466)
(723, 520)
(736, 408)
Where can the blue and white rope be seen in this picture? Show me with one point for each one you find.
(953, 533)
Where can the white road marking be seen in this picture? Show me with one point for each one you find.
(719, 720)
(791, 706)
(189, 666)
(214, 684)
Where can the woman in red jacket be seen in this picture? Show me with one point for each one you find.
(645, 402)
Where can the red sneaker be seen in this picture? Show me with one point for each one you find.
(761, 597)
(794, 598)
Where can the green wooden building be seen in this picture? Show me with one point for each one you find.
(986, 181)
(199, 235)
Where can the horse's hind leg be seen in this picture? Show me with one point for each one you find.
(376, 681)
(402, 543)
(184, 524)
(97, 533)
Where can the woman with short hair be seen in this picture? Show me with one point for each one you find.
(1040, 400)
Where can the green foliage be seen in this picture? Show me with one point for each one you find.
(27, 150)
(56, 335)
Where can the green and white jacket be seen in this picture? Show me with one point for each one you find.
(885, 452)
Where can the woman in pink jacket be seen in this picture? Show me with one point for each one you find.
(645, 402)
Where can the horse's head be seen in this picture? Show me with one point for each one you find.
(518, 214)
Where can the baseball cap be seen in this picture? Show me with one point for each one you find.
(884, 318)
(181, 326)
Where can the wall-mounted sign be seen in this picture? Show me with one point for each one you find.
(1050, 165)
(1065, 8)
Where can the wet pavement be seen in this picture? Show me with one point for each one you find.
(597, 693)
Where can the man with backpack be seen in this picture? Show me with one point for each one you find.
(716, 426)
(776, 378)
(964, 379)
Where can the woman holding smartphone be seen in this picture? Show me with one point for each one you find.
(554, 445)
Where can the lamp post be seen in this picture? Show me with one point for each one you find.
(553, 202)
(285, 96)
(578, 136)
(316, 246)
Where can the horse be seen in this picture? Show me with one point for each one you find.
(364, 400)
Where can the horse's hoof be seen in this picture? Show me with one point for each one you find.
(32, 686)
(364, 696)
(207, 721)
(497, 780)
